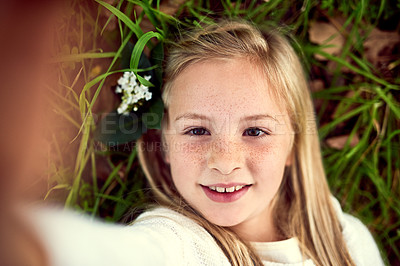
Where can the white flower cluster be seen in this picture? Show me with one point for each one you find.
(133, 93)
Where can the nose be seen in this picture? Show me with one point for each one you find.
(225, 156)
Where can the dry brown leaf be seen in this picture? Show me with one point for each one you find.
(380, 44)
(316, 85)
(170, 7)
(323, 33)
(339, 141)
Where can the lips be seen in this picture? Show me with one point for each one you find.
(225, 192)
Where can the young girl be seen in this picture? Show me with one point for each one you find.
(238, 179)
(240, 176)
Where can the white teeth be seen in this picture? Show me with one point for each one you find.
(228, 189)
(238, 187)
(220, 189)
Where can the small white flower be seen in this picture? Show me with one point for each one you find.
(135, 99)
(133, 92)
(122, 109)
(128, 88)
(133, 82)
(122, 80)
(129, 100)
(127, 74)
(148, 96)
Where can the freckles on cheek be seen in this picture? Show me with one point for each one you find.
(192, 152)
(260, 156)
(267, 159)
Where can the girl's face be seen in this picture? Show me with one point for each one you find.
(228, 143)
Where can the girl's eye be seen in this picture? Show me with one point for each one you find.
(198, 131)
(253, 132)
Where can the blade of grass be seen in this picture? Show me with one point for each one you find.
(137, 52)
(317, 50)
(81, 56)
(104, 187)
(324, 130)
(134, 27)
(131, 157)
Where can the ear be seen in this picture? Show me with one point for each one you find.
(165, 152)
(164, 145)
(166, 158)
(289, 159)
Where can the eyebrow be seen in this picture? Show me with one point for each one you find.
(194, 116)
(259, 117)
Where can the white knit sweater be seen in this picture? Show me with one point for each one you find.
(164, 237)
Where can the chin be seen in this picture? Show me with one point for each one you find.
(224, 221)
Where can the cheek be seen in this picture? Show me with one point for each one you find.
(188, 152)
(267, 166)
(186, 159)
(268, 160)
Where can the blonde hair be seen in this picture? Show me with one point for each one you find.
(304, 193)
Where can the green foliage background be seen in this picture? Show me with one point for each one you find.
(358, 100)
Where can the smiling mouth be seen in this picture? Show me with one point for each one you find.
(225, 193)
(226, 189)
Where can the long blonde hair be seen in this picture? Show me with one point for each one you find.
(303, 205)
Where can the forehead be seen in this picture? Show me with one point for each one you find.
(223, 86)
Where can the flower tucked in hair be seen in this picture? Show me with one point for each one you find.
(134, 94)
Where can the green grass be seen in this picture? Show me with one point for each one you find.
(357, 100)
